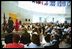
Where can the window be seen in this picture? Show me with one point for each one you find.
(38, 2)
(61, 3)
(68, 3)
(46, 3)
(52, 3)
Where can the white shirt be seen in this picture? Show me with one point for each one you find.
(68, 29)
(32, 45)
(65, 29)
(47, 44)
(25, 46)
(53, 32)
(30, 26)
(47, 29)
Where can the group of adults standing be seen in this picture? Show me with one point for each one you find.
(10, 25)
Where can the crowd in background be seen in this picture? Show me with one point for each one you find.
(36, 35)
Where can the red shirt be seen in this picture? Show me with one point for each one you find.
(17, 25)
(14, 45)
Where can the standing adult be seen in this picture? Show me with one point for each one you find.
(4, 23)
(17, 25)
(43, 27)
(10, 25)
(4, 26)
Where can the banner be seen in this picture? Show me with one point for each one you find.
(13, 16)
